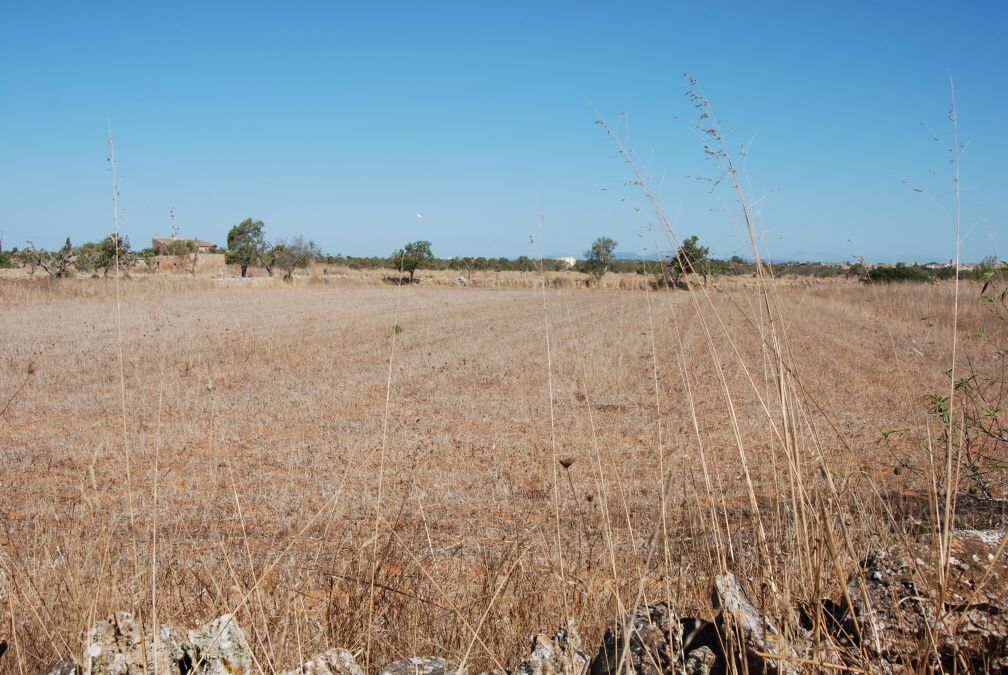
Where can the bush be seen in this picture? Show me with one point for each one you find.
(897, 273)
(6, 261)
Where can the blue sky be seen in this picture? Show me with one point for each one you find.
(342, 122)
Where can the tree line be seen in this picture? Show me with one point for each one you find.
(248, 247)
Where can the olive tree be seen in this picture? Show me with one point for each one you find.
(690, 258)
(114, 251)
(600, 256)
(246, 244)
(57, 264)
(413, 255)
(298, 253)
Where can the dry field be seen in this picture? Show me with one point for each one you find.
(412, 470)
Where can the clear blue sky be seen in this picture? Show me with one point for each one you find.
(343, 121)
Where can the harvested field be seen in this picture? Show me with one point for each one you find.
(409, 470)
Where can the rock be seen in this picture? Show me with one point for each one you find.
(560, 654)
(898, 608)
(421, 665)
(65, 667)
(700, 661)
(652, 638)
(115, 646)
(220, 647)
(740, 620)
(329, 662)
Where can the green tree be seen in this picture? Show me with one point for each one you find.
(114, 250)
(299, 253)
(690, 258)
(88, 255)
(413, 255)
(600, 256)
(246, 244)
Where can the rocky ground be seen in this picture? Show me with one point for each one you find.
(935, 605)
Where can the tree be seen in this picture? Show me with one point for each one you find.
(57, 264)
(413, 255)
(690, 258)
(269, 257)
(114, 250)
(246, 244)
(296, 254)
(88, 255)
(600, 256)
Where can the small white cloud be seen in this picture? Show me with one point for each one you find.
(419, 215)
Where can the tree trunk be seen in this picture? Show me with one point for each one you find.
(244, 269)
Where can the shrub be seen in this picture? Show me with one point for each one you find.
(897, 273)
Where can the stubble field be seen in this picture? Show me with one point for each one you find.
(413, 470)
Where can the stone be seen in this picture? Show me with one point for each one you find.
(421, 665)
(329, 662)
(64, 667)
(758, 636)
(652, 639)
(115, 646)
(220, 647)
(899, 609)
(701, 661)
(560, 654)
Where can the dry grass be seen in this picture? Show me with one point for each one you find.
(255, 414)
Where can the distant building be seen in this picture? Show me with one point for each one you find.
(567, 261)
(165, 246)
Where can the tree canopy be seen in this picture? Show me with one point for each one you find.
(298, 253)
(600, 256)
(690, 258)
(413, 255)
(246, 244)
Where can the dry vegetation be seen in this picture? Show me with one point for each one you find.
(410, 470)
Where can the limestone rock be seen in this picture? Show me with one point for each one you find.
(421, 665)
(759, 636)
(701, 661)
(115, 646)
(898, 607)
(220, 647)
(65, 667)
(653, 640)
(560, 654)
(329, 662)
